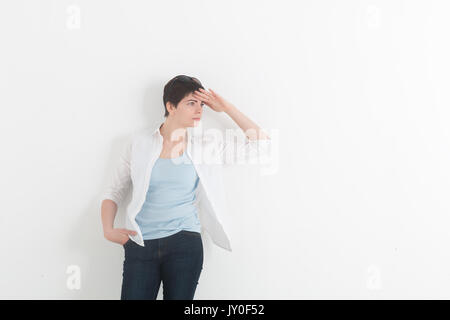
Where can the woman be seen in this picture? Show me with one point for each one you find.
(166, 184)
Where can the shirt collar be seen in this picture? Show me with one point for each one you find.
(155, 131)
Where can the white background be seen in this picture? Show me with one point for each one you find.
(357, 92)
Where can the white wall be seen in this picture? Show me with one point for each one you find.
(356, 91)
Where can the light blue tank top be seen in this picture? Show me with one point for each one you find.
(169, 203)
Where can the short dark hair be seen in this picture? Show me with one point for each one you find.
(178, 88)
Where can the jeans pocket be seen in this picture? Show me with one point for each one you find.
(126, 243)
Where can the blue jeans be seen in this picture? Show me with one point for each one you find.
(176, 260)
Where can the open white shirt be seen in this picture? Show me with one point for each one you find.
(209, 153)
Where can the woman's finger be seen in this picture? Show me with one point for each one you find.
(201, 96)
(212, 92)
(126, 231)
(205, 92)
(201, 91)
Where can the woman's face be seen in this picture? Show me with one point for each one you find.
(189, 111)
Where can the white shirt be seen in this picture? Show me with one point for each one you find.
(209, 152)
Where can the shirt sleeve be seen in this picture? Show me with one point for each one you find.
(120, 180)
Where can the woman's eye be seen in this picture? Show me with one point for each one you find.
(192, 103)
